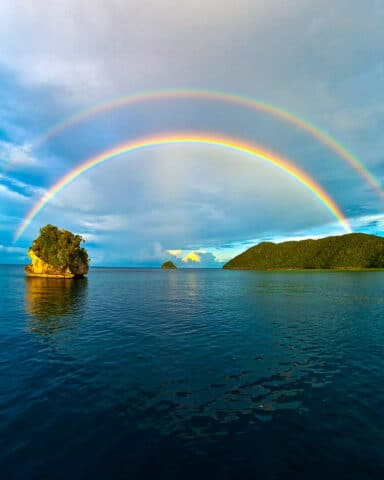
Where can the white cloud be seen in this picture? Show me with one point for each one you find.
(203, 258)
(175, 253)
(105, 223)
(368, 221)
(87, 45)
(186, 256)
(10, 249)
(29, 189)
(93, 49)
(11, 195)
(14, 156)
(91, 237)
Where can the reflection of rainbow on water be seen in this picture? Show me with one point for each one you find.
(233, 145)
(217, 96)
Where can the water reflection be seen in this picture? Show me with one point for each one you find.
(54, 304)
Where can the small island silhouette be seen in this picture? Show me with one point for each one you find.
(169, 265)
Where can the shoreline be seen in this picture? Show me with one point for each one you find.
(341, 269)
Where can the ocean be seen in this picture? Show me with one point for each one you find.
(149, 373)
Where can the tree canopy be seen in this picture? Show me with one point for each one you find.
(60, 248)
(355, 250)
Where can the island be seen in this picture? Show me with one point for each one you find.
(168, 265)
(352, 251)
(58, 254)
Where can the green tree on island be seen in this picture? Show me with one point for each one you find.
(59, 248)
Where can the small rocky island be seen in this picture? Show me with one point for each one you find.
(344, 252)
(58, 254)
(168, 265)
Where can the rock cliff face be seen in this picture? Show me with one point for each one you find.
(39, 268)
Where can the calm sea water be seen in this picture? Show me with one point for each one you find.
(192, 374)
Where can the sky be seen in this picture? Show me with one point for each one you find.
(198, 205)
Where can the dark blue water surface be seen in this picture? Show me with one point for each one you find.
(192, 374)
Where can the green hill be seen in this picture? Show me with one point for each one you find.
(351, 251)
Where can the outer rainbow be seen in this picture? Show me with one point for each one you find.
(229, 144)
(213, 95)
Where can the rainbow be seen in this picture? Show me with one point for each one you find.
(155, 141)
(218, 96)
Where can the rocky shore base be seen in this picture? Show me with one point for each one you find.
(39, 268)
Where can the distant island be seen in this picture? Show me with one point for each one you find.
(351, 251)
(168, 265)
(58, 254)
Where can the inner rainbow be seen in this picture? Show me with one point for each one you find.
(190, 138)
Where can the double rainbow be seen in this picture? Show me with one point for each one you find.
(155, 141)
(226, 97)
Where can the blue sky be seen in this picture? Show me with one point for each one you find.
(324, 61)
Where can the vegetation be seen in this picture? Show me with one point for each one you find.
(169, 265)
(351, 251)
(60, 248)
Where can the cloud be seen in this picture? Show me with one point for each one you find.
(176, 253)
(10, 249)
(15, 156)
(105, 223)
(91, 237)
(78, 58)
(369, 223)
(10, 194)
(186, 257)
(27, 189)
(11, 255)
(191, 257)
(94, 49)
(203, 258)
